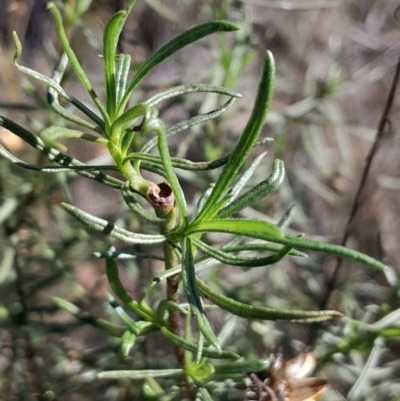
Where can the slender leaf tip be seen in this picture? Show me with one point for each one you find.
(227, 26)
(66, 206)
(18, 46)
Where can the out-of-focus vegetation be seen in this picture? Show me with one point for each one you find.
(335, 61)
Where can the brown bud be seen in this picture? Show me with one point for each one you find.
(161, 198)
(286, 380)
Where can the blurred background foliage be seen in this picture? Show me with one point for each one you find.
(335, 61)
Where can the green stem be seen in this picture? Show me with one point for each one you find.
(141, 309)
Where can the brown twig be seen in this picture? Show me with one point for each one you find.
(384, 120)
(171, 261)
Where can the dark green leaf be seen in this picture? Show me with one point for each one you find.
(189, 285)
(207, 352)
(111, 35)
(298, 242)
(250, 228)
(54, 155)
(240, 260)
(262, 312)
(246, 141)
(258, 192)
(110, 229)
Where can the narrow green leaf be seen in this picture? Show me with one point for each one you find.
(261, 246)
(50, 135)
(228, 329)
(82, 6)
(130, 323)
(154, 168)
(68, 163)
(187, 333)
(269, 232)
(126, 141)
(204, 394)
(52, 98)
(7, 207)
(285, 218)
(51, 169)
(126, 255)
(246, 227)
(302, 243)
(207, 352)
(361, 387)
(74, 60)
(139, 327)
(18, 46)
(189, 123)
(391, 319)
(206, 261)
(200, 346)
(166, 305)
(182, 40)
(177, 162)
(115, 86)
(189, 286)
(203, 198)
(237, 188)
(111, 35)
(200, 370)
(240, 260)
(121, 78)
(130, 116)
(258, 192)
(128, 341)
(247, 139)
(262, 312)
(190, 88)
(101, 324)
(110, 229)
(200, 264)
(391, 332)
(131, 3)
(54, 85)
(225, 199)
(123, 294)
(139, 374)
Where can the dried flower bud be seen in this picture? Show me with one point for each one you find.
(161, 198)
(286, 380)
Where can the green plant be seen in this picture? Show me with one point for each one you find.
(115, 125)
